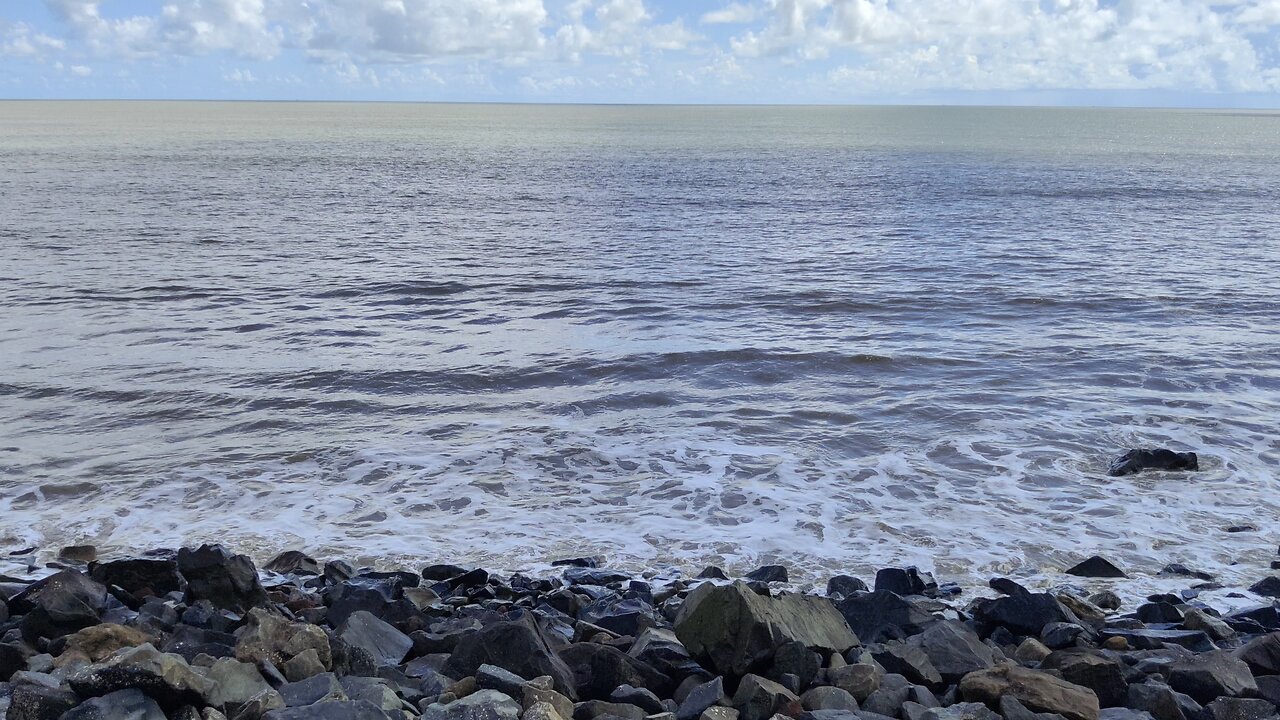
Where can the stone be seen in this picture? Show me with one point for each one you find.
(758, 698)
(736, 630)
(597, 669)
(317, 688)
(1059, 635)
(883, 615)
(1038, 691)
(1159, 613)
(1180, 570)
(1262, 654)
(1215, 628)
(228, 581)
(828, 698)
(1102, 674)
(1138, 460)
(1096, 567)
(1268, 586)
(37, 702)
(518, 646)
(1230, 708)
(234, 682)
(1106, 600)
(719, 713)
(533, 695)
(961, 711)
(793, 658)
(140, 577)
(59, 605)
(11, 661)
(333, 710)
(904, 581)
(543, 711)
(1193, 640)
(1031, 651)
(377, 691)
(908, 660)
(768, 574)
(1269, 688)
(1022, 614)
(492, 677)
(267, 637)
(858, 679)
(97, 642)
(844, 586)
(1119, 713)
(628, 616)
(303, 665)
(640, 697)
(1162, 702)
(593, 576)
(293, 562)
(888, 700)
(165, 677)
(119, 705)
(78, 554)
(1011, 709)
(385, 644)
(1212, 675)
(954, 650)
(700, 698)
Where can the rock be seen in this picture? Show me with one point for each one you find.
(59, 605)
(758, 698)
(1180, 570)
(140, 577)
(518, 646)
(1162, 702)
(1091, 669)
(1268, 586)
(533, 695)
(629, 616)
(1228, 708)
(844, 586)
(1038, 691)
(293, 562)
(492, 677)
(37, 702)
(261, 704)
(1031, 651)
(859, 679)
(904, 581)
(1212, 675)
(303, 665)
(793, 658)
(544, 711)
(954, 650)
(712, 572)
(1269, 688)
(1059, 635)
(78, 554)
(1096, 567)
(592, 709)
(315, 689)
(228, 581)
(640, 697)
(961, 711)
(1216, 629)
(1118, 713)
(768, 574)
(1262, 654)
(882, 615)
(1022, 614)
(377, 691)
(828, 698)
(1159, 612)
(1193, 640)
(700, 698)
(270, 638)
(736, 630)
(1106, 600)
(385, 644)
(1011, 709)
(888, 700)
(119, 705)
(598, 669)
(234, 682)
(165, 677)
(661, 648)
(333, 710)
(97, 642)
(719, 713)
(593, 576)
(1135, 461)
(11, 661)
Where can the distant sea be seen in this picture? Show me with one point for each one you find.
(837, 338)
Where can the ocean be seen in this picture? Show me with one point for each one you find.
(837, 338)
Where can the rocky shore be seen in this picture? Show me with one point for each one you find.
(202, 634)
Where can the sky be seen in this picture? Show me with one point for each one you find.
(1195, 53)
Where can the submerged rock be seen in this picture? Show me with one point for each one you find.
(1135, 461)
(1096, 567)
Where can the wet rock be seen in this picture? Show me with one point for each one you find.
(700, 698)
(228, 581)
(954, 650)
(1268, 586)
(1023, 613)
(1159, 612)
(1212, 675)
(905, 581)
(1106, 600)
(1216, 629)
(1180, 570)
(598, 669)
(59, 605)
(1162, 702)
(1059, 635)
(793, 658)
(1259, 619)
(492, 677)
(736, 630)
(768, 574)
(1138, 460)
(640, 697)
(1096, 567)
(627, 616)
(140, 577)
(1193, 640)
(660, 648)
(315, 689)
(1038, 691)
(518, 646)
(11, 661)
(292, 562)
(1262, 654)
(334, 710)
(1240, 709)
(267, 637)
(882, 615)
(165, 677)
(593, 576)
(96, 643)
(758, 698)
(37, 702)
(120, 705)
(385, 644)
(841, 586)
(828, 698)
(1092, 669)
(859, 679)
(234, 682)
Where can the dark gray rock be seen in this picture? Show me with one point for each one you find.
(1262, 654)
(492, 677)
(1240, 709)
(598, 669)
(292, 562)
(961, 711)
(882, 615)
(385, 644)
(1159, 612)
(905, 581)
(700, 698)
(59, 605)
(625, 616)
(1162, 702)
(1135, 461)
(120, 705)
(1096, 567)
(11, 661)
(793, 658)
(592, 709)
(140, 577)
(1093, 669)
(518, 646)
(228, 581)
(165, 677)
(828, 698)
(954, 650)
(859, 679)
(1212, 675)
(1194, 640)
(1022, 613)
(340, 710)
(758, 698)
(1268, 586)
(640, 697)
(768, 574)
(593, 576)
(1059, 635)
(841, 586)
(735, 630)
(1013, 709)
(317, 688)
(37, 702)
(910, 661)
(888, 700)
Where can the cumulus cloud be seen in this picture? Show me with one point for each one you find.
(731, 14)
(22, 40)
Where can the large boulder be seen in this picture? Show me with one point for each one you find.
(140, 577)
(228, 581)
(953, 650)
(518, 646)
(759, 699)
(1021, 612)
(98, 642)
(165, 677)
(735, 630)
(267, 637)
(39, 702)
(1037, 691)
(1212, 675)
(120, 705)
(59, 605)
(883, 615)
(1262, 654)
(385, 644)
(598, 669)
(1102, 674)
(480, 705)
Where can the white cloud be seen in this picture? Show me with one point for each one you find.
(617, 28)
(22, 40)
(732, 14)
(81, 70)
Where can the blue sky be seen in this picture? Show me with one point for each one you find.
(1223, 53)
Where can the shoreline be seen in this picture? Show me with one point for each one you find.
(203, 634)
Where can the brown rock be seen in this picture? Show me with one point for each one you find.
(96, 643)
(1038, 691)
